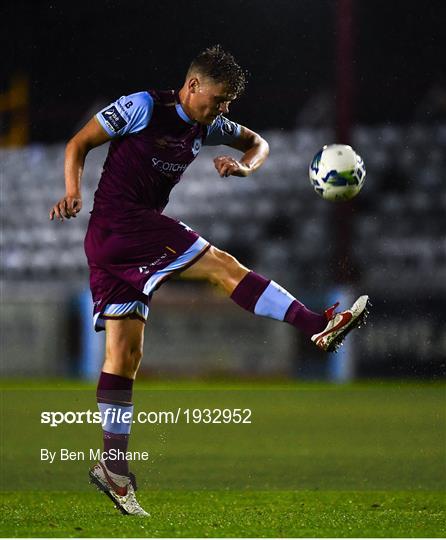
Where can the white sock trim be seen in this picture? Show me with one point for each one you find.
(274, 302)
(118, 419)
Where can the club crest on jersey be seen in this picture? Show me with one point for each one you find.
(196, 146)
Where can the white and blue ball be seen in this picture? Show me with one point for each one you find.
(337, 172)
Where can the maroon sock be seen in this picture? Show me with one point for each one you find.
(266, 298)
(302, 318)
(249, 290)
(114, 391)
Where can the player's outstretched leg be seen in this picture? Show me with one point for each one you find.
(266, 298)
(124, 341)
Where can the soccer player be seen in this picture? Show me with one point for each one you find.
(132, 247)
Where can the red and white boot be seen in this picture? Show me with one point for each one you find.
(120, 489)
(340, 324)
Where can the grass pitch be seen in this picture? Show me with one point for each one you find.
(362, 460)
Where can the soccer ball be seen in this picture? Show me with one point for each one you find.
(337, 173)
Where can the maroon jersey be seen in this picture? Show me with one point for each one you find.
(131, 246)
(156, 142)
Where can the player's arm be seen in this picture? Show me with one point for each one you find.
(254, 147)
(255, 151)
(126, 115)
(76, 150)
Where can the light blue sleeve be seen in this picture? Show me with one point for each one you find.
(128, 114)
(222, 131)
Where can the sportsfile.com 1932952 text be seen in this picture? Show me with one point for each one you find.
(175, 416)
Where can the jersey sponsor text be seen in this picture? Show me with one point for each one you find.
(166, 166)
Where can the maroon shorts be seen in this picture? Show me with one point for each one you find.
(128, 263)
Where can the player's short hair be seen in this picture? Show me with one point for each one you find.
(220, 66)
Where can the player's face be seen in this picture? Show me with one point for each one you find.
(208, 100)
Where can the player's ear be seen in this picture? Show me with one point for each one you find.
(194, 85)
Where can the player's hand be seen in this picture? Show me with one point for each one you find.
(228, 166)
(68, 207)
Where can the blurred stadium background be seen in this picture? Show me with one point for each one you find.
(367, 73)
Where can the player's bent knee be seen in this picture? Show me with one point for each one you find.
(219, 268)
(123, 362)
(228, 271)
